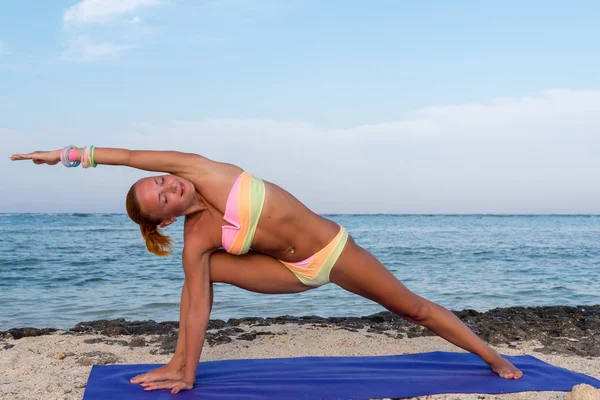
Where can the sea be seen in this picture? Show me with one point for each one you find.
(60, 269)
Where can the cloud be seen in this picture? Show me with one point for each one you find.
(134, 20)
(100, 11)
(96, 29)
(529, 154)
(82, 49)
(534, 154)
(3, 48)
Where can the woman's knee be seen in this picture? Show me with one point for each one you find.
(418, 311)
(371, 279)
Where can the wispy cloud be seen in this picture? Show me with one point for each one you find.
(3, 48)
(134, 20)
(100, 11)
(82, 49)
(97, 29)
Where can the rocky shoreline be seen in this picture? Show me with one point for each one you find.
(561, 330)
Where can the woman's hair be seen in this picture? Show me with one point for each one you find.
(156, 242)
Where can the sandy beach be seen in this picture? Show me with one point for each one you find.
(56, 364)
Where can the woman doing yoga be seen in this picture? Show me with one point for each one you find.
(253, 234)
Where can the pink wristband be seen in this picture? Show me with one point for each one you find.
(72, 155)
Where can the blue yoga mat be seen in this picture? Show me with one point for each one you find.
(339, 378)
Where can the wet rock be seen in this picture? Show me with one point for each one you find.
(96, 326)
(230, 331)
(214, 340)
(216, 324)
(312, 320)
(106, 341)
(166, 344)
(246, 321)
(582, 348)
(382, 317)
(121, 327)
(396, 336)
(288, 319)
(137, 342)
(6, 346)
(247, 336)
(266, 333)
(94, 340)
(97, 358)
(415, 331)
(18, 333)
(115, 331)
(350, 322)
(552, 326)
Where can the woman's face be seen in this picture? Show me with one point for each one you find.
(165, 196)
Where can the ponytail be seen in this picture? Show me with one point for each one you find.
(156, 242)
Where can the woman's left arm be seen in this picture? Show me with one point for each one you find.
(197, 276)
(172, 162)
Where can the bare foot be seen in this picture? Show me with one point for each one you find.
(505, 369)
(164, 373)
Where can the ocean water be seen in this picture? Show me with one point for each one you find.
(57, 270)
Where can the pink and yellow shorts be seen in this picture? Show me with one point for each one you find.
(243, 209)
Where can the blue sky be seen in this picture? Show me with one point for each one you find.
(383, 106)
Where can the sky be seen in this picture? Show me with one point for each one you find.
(352, 106)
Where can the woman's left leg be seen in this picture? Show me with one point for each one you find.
(358, 271)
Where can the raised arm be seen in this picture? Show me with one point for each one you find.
(173, 162)
(149, 160)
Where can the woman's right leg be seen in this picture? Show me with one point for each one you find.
(254, 272)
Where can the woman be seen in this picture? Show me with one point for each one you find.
(228, 211)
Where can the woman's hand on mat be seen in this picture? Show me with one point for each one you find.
(39, 157)
(164, 373)
(176, 385)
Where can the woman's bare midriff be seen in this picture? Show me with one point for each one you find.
(288, 230)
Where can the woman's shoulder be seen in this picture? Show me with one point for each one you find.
(197, 232)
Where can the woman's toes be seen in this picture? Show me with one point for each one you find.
(519, 375)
